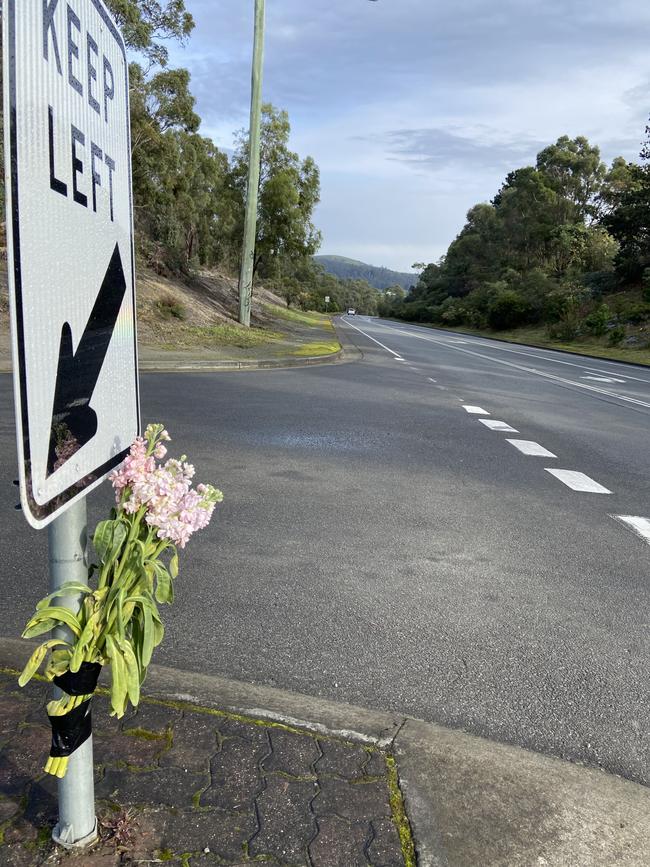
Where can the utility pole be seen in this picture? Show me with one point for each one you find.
(250, 224)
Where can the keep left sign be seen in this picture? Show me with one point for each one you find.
(69, 247)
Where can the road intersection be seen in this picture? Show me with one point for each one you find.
(380, 545)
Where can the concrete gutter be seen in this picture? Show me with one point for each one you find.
(470, 801)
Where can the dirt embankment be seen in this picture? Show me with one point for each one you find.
(197, 318)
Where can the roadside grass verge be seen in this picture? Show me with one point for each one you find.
(324, 347)
(300, 317)
(223, 335)
(593, 346)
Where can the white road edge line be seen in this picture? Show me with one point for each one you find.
(578, 481)
(550, 376)
(640, 526)
(383, 346)
(502, 426)
(529, 354)
(475, 410)
(528, 447)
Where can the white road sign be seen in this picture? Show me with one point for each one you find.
(69, 247)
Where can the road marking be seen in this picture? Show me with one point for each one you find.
(528, 447)
(603, 378)
(550, 357)
(383, 346)
(397, 358)
(431, 380)
(578, 481)
(498, 425)
(550, 376)
(475, 410)
(640, 526)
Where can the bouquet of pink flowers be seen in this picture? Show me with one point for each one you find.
(118, 623)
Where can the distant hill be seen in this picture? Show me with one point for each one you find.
(351, 269)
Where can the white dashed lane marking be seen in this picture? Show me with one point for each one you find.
(475, 410)
(498, 425)
(640, 526)
(578, 481)
(527, 447)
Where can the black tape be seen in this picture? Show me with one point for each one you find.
(70, 731)
(82, 682)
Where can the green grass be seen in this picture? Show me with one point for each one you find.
(538, 336)
(325, 347)
(399, 814)
(300, 317)
(227, 335)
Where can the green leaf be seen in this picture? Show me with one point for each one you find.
(108, 539)
(132, 671)
(54, 669)
(84, 641)
(57, 614)
(35, 660)
(39, 628)
(70, 588)
(164, 586)
(173, 563)
(118, 678)
(120, 612)
(148, 636)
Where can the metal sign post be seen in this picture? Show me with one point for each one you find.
(77, 826)
(72, 288)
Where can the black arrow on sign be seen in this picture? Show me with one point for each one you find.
(74, 422)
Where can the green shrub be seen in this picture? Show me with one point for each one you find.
(635, 313)
(616, 335)
(452, 311)
(170, 308)
(597, 321)
(566, 330)
(601, 282)
(507, 310)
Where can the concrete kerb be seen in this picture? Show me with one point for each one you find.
(469, 800)
(243, 364)
(347, 352)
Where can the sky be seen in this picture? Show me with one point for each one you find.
(415, 110)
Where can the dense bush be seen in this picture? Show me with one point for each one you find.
(507, 309)
(557, 239)
(597, 321)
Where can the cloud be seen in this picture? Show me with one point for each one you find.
(437, 148)
(415, 110)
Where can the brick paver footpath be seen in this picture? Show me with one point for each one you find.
(181, 785)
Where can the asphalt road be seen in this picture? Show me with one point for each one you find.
(379, 544)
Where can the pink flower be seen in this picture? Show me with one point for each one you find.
(165, 490)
